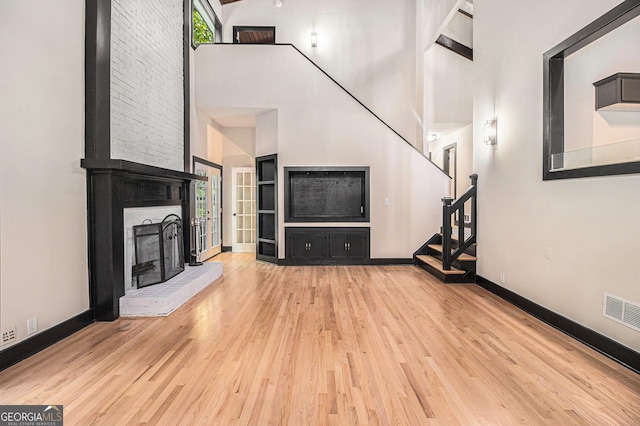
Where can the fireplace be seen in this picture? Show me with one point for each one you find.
(158, 251)
(115, 186)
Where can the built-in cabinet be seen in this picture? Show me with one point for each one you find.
(305, 244)
(350, 244)
(267, 199)
(325, 245)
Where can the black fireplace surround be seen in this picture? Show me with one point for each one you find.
(112, 186)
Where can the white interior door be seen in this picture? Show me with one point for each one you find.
(208, 210)
(244, 209)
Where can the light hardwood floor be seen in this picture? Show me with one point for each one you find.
(328, 345)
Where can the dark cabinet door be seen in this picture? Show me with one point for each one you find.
(348, 244)
(357, 246)
(338, 245)
(297, 245)
(316, 249)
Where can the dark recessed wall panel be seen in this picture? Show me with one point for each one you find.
(314, 194)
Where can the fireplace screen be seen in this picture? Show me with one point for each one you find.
(158, 250)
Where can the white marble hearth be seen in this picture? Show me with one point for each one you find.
(160, 300)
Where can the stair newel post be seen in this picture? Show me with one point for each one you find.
(446, 233)
(474, 202)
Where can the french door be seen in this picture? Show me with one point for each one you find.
(209, 209)
(244, 209)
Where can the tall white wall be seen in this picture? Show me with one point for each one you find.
(369, 47)
(147, 96)
(43, 222)
(448, 94)
(320, 125)
(205, 134)
(590, 224)
(267, 133)
(447, 78)
(200, 146)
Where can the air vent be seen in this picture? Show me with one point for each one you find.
(8, 335)
(622, 311)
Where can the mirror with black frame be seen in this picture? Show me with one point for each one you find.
(592, 99)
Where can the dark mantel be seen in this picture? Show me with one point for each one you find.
(112, 186)
(136, 168)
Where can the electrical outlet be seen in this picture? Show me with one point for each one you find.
(547, 253)
(8, 335)
(32, 325)
(502, 279)
(386, 201)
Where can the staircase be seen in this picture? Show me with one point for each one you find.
(450, 255)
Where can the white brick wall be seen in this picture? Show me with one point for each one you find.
(147, 99)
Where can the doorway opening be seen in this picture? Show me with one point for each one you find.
(450, 166)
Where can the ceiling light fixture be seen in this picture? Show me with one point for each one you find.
(278, 3)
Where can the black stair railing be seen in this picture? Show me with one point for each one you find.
(451, 208)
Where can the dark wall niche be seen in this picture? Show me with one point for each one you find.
(326, 194)
(553, 126)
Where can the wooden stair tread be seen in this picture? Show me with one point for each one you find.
(437, 264)
(464, 257)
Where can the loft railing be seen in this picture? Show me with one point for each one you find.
(456, 209)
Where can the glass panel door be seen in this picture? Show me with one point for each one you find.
(208, 210)
(215, 208)
(244, 214)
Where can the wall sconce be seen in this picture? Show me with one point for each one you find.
(314, 40)
(432, 137)
(491, 132)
